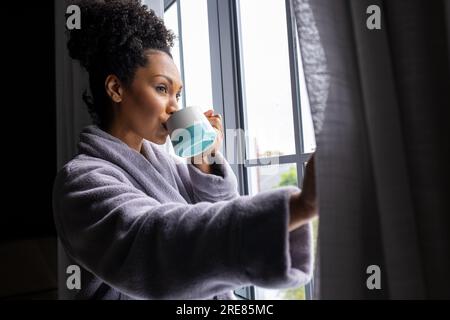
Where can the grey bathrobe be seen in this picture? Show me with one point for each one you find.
(149, 226)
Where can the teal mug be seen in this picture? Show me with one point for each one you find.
(190, 132)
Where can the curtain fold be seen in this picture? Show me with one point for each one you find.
(381, 130)
(71, 81)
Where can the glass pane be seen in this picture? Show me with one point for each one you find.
(266, 78)
(171, 22)
(309, 139)
(287, 294)
(263, 178)
(196, 54)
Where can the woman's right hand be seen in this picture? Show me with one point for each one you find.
(303, 205)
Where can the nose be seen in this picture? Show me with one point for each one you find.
(172, 109)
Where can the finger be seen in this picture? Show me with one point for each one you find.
(216, 124)
(215, 119)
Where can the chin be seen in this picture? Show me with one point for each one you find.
(159, 140)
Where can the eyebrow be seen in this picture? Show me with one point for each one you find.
(166, 77)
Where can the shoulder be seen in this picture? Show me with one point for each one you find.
(86, 168)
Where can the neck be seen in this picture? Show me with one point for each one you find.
(124, 133)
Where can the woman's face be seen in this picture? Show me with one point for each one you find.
(151, 98)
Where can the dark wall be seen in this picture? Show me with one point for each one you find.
(27, 233)
(28, 113)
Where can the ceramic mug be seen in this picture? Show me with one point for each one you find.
(190, 132)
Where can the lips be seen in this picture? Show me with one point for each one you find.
(164, 126)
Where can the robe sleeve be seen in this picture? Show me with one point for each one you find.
(153, 250)
(212, 187)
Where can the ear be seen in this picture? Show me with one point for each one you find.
(114, 88)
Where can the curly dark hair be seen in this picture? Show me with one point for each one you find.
(116, 37)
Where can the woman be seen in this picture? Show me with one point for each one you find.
(139, 223)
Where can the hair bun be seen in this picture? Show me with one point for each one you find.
(83, 43)
(105, 24)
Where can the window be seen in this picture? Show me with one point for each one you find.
(189, 21)
(274, 104)
(171, 22)
(266, 78)
(249, 66)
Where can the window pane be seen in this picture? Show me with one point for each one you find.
(196, 54)
(266, 78)
(287, 294)
(263, 178)
(171, 22)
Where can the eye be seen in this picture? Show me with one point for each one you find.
(178, 96)
(162, 89)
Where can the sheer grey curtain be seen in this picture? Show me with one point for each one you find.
(380, 101)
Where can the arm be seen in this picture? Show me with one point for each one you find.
(210, 175)
(154, 250)
(219, 185)
(304, 205)
(204, 166)
(207, 168)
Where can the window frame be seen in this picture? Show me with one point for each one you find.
(168, 3)
(229, 93)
